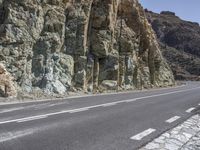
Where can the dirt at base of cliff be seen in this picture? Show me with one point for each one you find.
(38, 96)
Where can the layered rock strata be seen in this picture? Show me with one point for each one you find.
(89, 45)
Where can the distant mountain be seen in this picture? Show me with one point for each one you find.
(180, 43)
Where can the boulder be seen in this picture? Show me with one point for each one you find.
(7, 87)
(109, 85)
(58, 87)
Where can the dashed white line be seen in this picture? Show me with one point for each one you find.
(190, 110)
(173, 119)
(143, 134)
(100, 105)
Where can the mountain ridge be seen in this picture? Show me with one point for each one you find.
(179, 41)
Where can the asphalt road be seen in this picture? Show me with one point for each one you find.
(123, 121)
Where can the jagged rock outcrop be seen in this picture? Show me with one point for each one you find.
(7, 87)
(91, 45)
(179, 41)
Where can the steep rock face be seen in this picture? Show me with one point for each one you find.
(180, 43)
(91, 45)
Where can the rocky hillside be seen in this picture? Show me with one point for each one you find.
(180, 41)
(86, 45)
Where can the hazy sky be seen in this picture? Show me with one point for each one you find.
(186, 9)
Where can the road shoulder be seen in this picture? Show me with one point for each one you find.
(185, 136)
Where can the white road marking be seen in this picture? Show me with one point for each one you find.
(128, 101)
(78, 110)
(110, 104)
(100, 105)
(199, 104)
(31, 118)
(173, 119)
(190, 110)
(24, 119)
(143, 134)
(5, 119)
(10, 136)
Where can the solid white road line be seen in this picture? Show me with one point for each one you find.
(78, 110)
(143, 134)
(173, 119)
(109, 104)
(190, 110)
(100, 105)
(26, 118)
(31, 118)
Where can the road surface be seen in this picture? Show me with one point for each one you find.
(123, 121)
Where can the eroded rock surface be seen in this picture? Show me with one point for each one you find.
(91, 45)
(7, 88)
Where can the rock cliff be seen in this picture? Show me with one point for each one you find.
(179, 41)
(87, 45)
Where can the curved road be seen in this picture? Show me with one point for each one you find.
(123, 121)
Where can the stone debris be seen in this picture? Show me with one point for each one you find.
(183, 137)
(7, 88)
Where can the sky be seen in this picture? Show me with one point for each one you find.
(186, 9)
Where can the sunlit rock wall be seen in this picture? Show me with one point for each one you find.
(87, 45)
